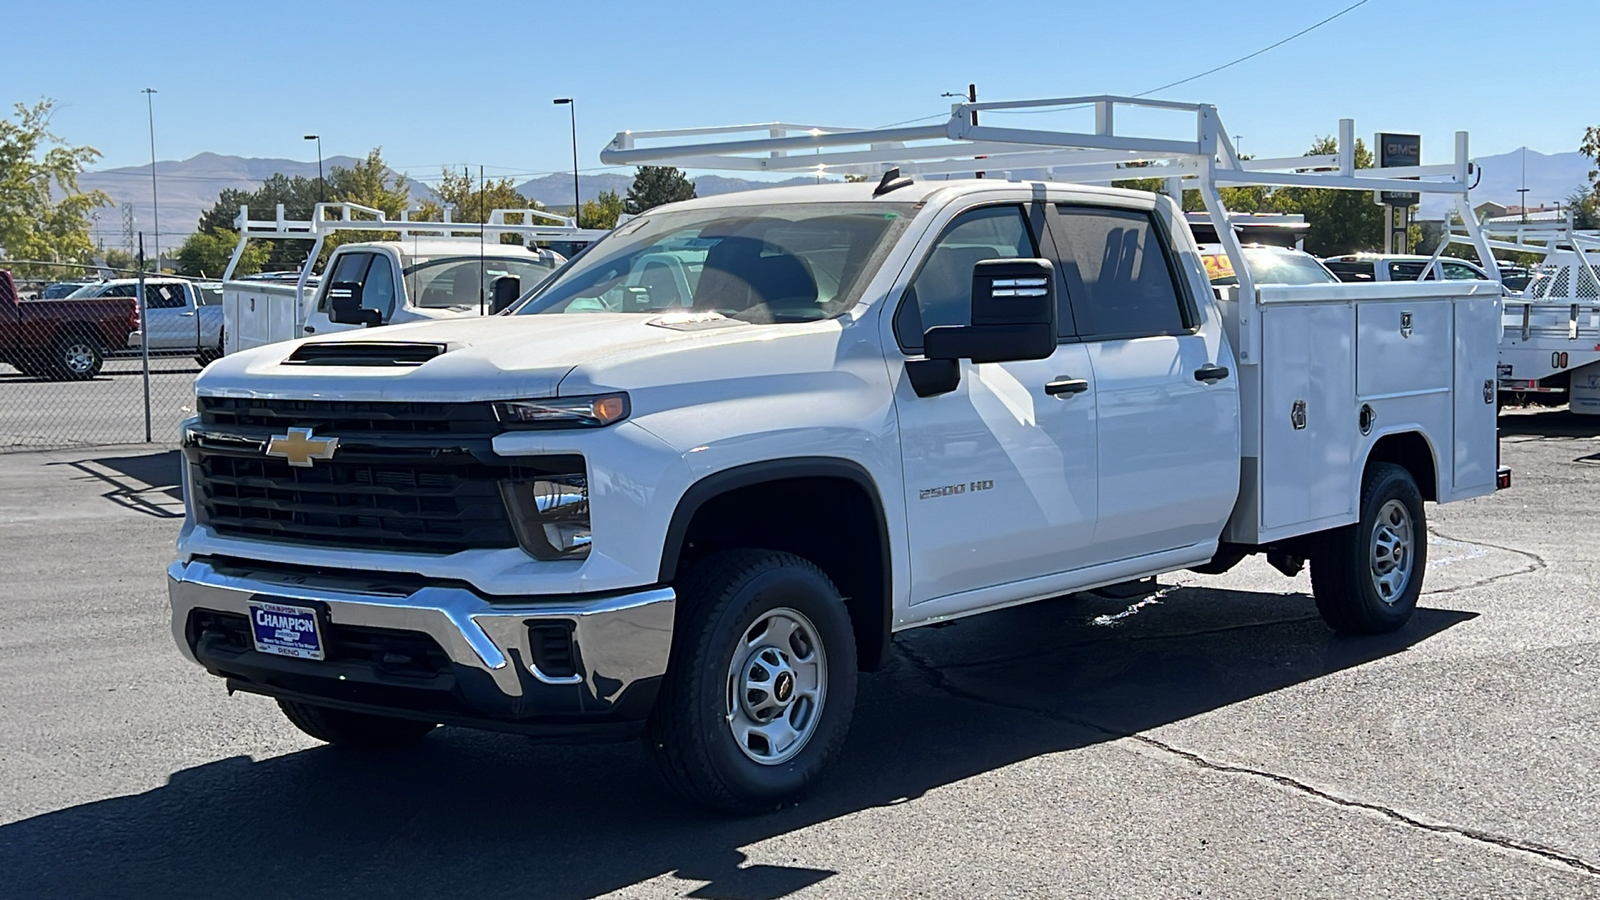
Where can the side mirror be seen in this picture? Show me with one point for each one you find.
(507, 288)
(344, 302)
(1013, 315)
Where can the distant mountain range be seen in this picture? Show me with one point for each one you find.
(189, 187)
(1552, 177)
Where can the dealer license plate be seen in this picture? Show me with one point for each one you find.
(286, 630)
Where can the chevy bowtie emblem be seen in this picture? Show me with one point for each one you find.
(299, 447)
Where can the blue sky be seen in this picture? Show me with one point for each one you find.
(471, 82)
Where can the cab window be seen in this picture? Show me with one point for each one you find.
(375, 275)
(1117, 274)
(941, 292)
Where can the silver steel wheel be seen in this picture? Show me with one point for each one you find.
(777, 684)
(1393, 548)
(78, 357)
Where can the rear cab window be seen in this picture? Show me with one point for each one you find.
(1119, 274)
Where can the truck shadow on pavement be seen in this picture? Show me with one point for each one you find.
(1551, 423)
(150, 483)
(492, 815)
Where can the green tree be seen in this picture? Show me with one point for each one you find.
(472, 202)
(206, 254)
(119, 261)
(603, 211)
(656, 185)
(1341, 221)
(370, 183)
(43, 214)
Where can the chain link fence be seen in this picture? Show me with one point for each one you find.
(73, 368)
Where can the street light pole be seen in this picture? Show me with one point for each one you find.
(320, 182)
(572, 109)
(155, 203)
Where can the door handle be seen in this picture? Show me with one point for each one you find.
(1210, 374)
(189, 313)
(1066, 386)
(310, 330)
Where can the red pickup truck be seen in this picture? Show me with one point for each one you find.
(63, 340)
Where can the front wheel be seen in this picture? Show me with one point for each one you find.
(360, 731)
(760, 685)
(1367, 577)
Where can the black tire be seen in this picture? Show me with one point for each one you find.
(1351, 595)
(359, 731)
(690, 735)
(76, 357)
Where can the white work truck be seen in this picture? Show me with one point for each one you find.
(694, 483)
(1550, 346)
(410, 271)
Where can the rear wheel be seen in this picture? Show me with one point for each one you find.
(77, 358)
(758, 693)
(360, 731)
(1367, 577)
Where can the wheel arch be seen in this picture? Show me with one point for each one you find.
(723, 510)
(1411, 450)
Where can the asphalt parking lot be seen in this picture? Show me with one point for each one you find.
(108, 409)
(1212, 740)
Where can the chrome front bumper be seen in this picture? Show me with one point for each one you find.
(620, 641)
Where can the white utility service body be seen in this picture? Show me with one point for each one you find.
(683, 449)
(419, 265)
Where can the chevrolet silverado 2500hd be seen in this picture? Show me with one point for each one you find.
(696, 481)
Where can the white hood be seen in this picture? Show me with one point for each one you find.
(487, 358)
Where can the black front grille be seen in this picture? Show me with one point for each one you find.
(430, 506)
(412, 477)
(349, 417)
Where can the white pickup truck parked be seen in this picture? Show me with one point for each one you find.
(694, 483)
(181, 316)
(413, 271)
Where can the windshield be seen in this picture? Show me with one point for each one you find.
(794, 263)
(1268, 267)
(453, 281)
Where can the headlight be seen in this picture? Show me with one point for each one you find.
(550, 514)
(563, 412)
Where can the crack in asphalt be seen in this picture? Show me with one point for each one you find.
(1538, 564)
(936, 678)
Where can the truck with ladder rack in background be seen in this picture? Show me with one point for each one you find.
(1550, 346)
(690, 486)
(408, 271)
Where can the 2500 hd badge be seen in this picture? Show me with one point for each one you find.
(951, 490)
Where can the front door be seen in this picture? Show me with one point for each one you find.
(1166, 395)
(373, 272)
(1000, 476)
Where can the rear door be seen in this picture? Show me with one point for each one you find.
(1166, 396)
(1000, 473)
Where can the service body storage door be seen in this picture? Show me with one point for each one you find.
(1478, 324)
(1307, 414)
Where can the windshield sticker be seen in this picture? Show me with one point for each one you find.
(1217, 266)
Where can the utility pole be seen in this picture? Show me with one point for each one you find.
(155, 202)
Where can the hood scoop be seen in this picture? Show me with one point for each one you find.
(364, 353)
